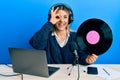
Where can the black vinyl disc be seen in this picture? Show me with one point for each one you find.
(94, 36)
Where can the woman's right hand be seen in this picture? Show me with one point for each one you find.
(91, 58)
(54, 16)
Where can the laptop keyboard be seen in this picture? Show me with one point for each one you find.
(52, 69)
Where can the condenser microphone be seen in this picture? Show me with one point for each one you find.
(73, 48)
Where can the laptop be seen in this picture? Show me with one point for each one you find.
(33, 62)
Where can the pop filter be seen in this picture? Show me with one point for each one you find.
(94, 36)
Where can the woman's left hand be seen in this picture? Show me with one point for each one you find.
(91, 58)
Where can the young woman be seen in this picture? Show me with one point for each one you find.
(55, 37)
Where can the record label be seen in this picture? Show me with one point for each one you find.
(93, 37)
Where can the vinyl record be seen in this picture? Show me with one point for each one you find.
(94, 36)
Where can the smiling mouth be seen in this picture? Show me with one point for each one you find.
(61, 24)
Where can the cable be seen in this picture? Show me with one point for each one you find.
(8, 65)
(10, 75)
(5, 75)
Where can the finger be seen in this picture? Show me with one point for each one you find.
(57, 16)
(55, 11)
(95, 56)
(89, 61)
(52, 9)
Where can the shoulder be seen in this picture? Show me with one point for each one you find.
(72, 32)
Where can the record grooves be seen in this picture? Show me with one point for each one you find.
(94, 36)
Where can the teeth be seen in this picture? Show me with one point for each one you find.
(61, 24)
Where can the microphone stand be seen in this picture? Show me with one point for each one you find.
(76, 62)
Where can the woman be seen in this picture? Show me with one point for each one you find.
(55, 37)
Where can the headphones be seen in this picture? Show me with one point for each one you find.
(62, 7)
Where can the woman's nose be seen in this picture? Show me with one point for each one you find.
(61, 19)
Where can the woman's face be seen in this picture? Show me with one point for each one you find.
(63, 17)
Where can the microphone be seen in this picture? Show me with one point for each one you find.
(73, 48)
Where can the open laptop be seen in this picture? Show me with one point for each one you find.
(33, 62)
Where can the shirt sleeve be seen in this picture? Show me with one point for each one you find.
(82, 57)
(40, 38)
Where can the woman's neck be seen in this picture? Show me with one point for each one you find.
(61, 35)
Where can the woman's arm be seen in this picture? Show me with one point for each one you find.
(40, 38)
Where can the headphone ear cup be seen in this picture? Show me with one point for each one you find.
(71, 17)
(49, 14)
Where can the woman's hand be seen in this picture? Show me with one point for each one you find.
(91, 58)
(54, 16)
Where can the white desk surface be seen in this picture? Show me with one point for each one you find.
(61, 74)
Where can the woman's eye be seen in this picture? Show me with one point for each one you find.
(57, 17)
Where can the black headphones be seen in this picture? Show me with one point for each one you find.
(62, 7)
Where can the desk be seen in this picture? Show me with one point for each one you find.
(61, 74)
